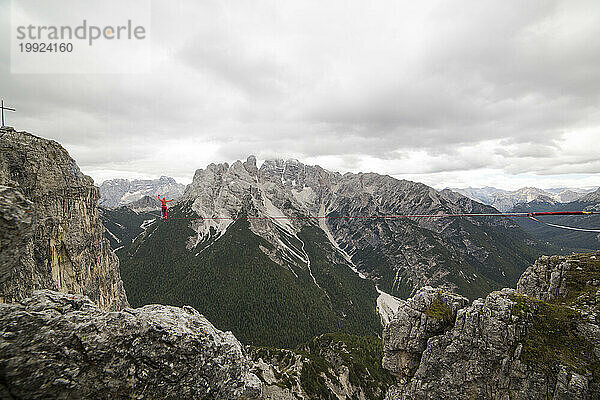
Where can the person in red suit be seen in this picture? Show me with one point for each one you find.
(164, 202)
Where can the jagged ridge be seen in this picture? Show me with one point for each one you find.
(539, 341)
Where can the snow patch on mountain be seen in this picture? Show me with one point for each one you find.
(147, 223)
(113, 235)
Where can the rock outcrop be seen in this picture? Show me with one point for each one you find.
(56, 345)
(510, 345)
(546, 279)
(50, 232)
(429, 313)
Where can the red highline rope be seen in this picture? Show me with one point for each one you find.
(521, 214)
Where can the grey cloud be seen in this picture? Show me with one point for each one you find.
(352, 81)
(257, 75)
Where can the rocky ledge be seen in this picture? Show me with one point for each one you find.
(541, 341)
(56, 345)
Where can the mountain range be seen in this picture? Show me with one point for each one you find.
(68, 330)
(505, 200)
(119, 192)
(244, 241)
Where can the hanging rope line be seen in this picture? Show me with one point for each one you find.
(566, 227)
(531, 215)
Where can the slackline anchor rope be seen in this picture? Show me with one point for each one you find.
(565, 227)
(531, 215)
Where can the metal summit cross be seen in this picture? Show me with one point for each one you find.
(5, 108)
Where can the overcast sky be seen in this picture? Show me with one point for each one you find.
(449, 93)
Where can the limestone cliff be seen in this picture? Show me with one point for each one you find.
(50, 232)
(541, 341)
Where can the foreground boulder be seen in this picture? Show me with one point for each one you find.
(510, 345)
(55, 345)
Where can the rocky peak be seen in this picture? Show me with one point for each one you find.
(567, 196)
(166, 179)
(546, 278)
(282, 172)
(570, 280)
(293, 175)
(250, 165)
(56, 169)
(50, 210)
(429, 313)
(593, 197)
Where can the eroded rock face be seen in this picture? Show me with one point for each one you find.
(15, 228)
(509, 345)
(546, 278)
(56, 345)
(429, 313)
(53, 236)
(467, 360)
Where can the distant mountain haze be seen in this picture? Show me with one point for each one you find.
(565, 240)
(504, 200)
(119, 192)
